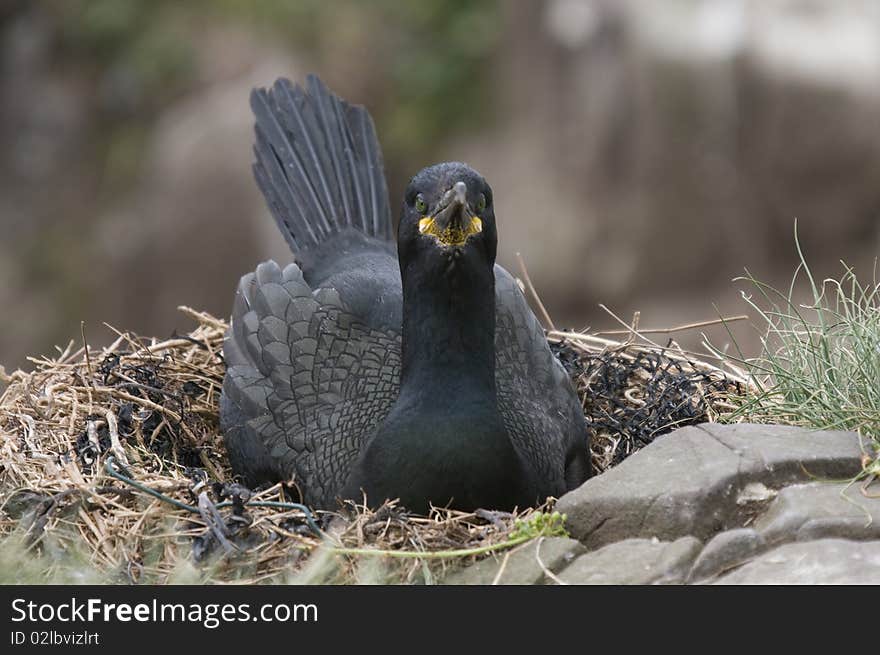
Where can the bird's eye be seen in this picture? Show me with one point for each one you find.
(420, 204)
(481, 202)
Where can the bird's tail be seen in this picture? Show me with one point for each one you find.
(318, 164)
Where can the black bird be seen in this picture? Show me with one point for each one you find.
(422, 376)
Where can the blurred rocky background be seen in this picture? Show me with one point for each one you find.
(642, 153)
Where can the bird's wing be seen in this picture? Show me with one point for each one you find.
(307, 382)
(536, 398)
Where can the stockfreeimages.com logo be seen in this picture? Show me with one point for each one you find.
(208, 615)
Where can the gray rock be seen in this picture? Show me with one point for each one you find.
(825, 561)
(725, 551)
(689, 481)
(817, 510)
(635, 561)
(522, 566)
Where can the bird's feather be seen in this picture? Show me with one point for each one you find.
(318, 163)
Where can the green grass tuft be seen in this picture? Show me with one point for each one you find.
(819, 364)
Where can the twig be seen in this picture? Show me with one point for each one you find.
(82, 331)
(544, 568)
(111, 391)
(630, 329)
(497, 579)
(214, 521)
(548, 322)
(677, 328)
(202, 317)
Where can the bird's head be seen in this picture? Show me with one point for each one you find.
(448, 219)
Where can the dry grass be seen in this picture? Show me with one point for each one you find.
(152, 407)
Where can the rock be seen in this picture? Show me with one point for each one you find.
(825, 561)
(819, 510)
(522, 565)
(635, 561)
(689, 481)
(755, 492)
(725, 551)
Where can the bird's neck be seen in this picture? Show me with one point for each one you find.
(449, 333)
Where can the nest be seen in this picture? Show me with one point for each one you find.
(633, 393)
(117, 455)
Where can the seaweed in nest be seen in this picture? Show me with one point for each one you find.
(634, 393)
(152, 380)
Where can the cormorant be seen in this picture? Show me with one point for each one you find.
(421, 375)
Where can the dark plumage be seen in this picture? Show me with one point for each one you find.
(438, 389)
